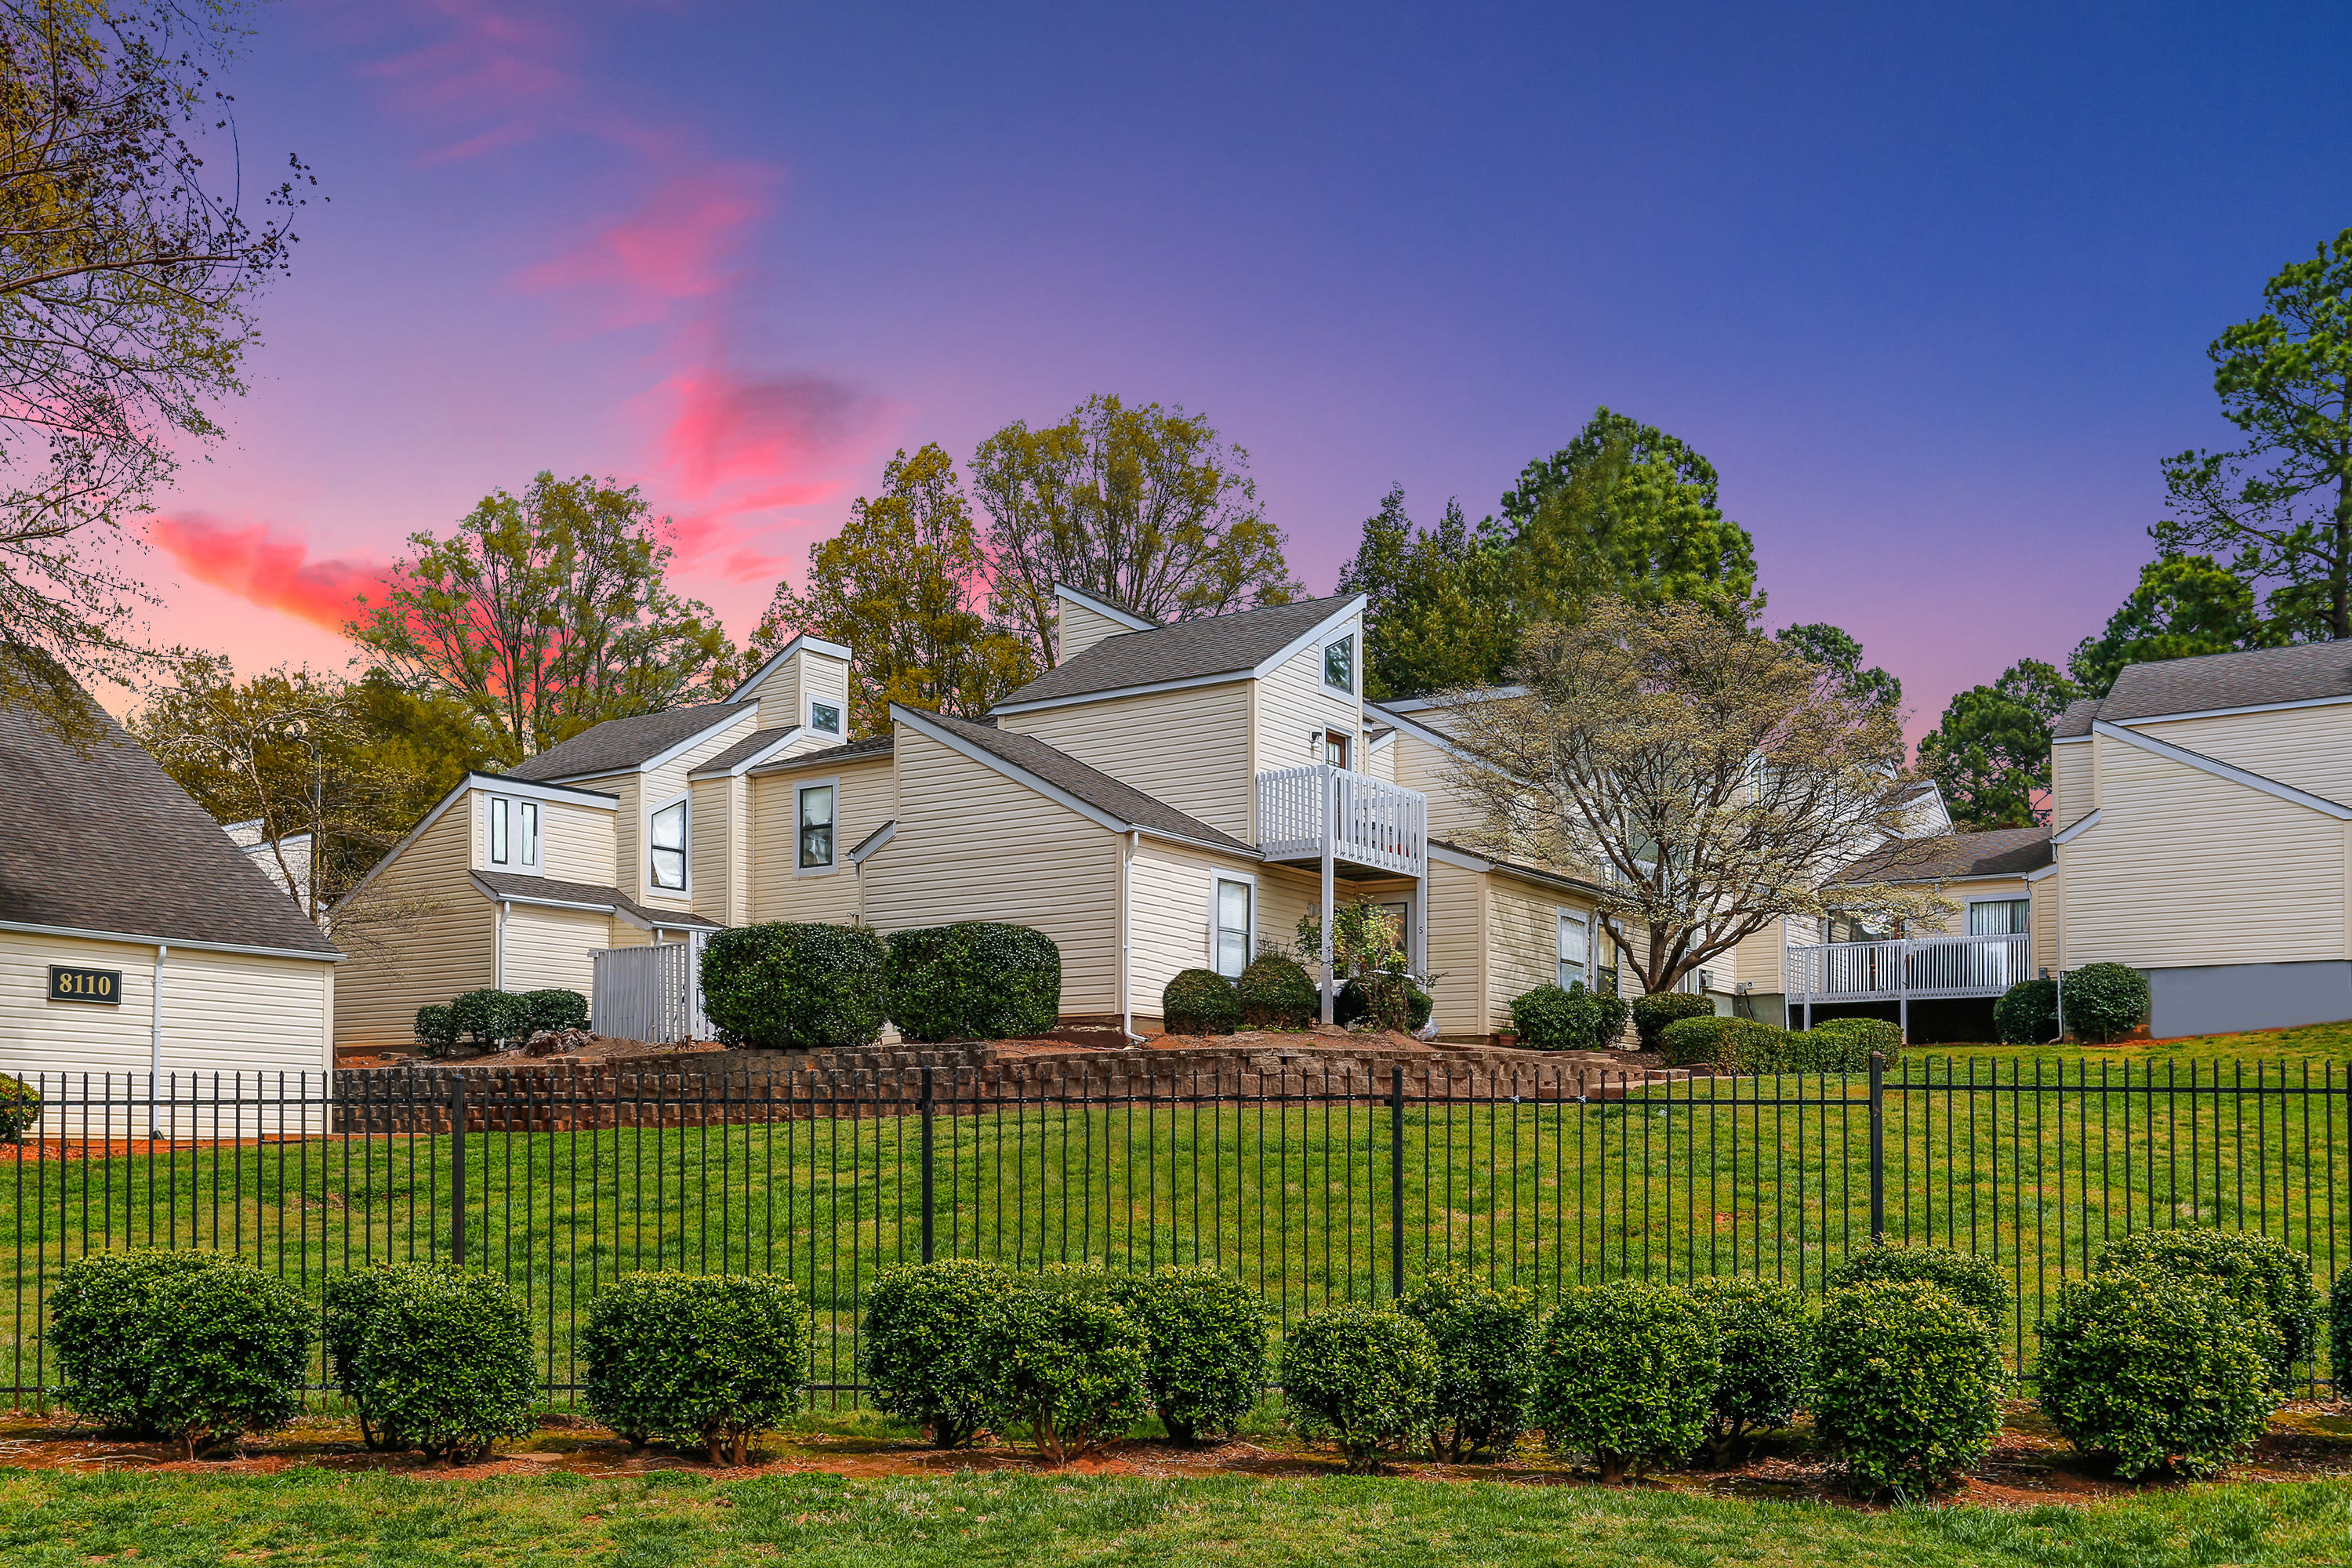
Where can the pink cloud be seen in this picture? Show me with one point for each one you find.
(275, 574)
(678, 244)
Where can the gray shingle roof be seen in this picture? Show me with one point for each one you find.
(1998, 852)
(750, 745)
(104, 840)
(1214, 645)
(2247, 679)
(872, 746)
(620, 743)
(1100, 790)
(515, 885)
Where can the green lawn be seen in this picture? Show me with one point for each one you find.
(306, 1515)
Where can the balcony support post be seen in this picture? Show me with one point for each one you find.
(1330, 910)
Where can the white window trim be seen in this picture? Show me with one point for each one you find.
(833, 784)
(840, 730)
(528, 852)
(1249, 880)
(1355, 665)
(652, 887)
(2025, 897)
(1564, 915)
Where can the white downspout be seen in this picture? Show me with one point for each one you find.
(506, 913)
(155, 1044)
(1127, 849)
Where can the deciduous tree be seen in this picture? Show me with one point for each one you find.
(905, 585)
(1707, 777)
(1990, 753)
(1145, 506)
(545, 613)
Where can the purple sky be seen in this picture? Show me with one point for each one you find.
(1931, 287)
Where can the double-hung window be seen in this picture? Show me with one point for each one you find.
(816, 827)
(1231, 936)
(666, 836)
(1575, 950)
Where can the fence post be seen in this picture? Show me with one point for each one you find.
(1396, 1183)
(1877, 1148)
(927, 1164)
(457, 1167)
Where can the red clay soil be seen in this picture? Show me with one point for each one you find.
(2028, 1465)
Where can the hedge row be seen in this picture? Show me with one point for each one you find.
(488, 1017)
(1273, 992)
(827, 988)
(1746, 1046)
(1576, 1019)
(2101, 1003)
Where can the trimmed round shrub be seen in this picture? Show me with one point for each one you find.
(1575, 1019)
(20, 1107)
(438, 1032)
(434, 1358)
(1626, 1373)
(556, 1009)
(1737, 1045)
(2339, 1333)
(2156, 1373)
(1200, 1001)
(916, 1353)
(1204, 1359)
(1975, 1283)
(975, 980)
(487, 1016)
(2268, 1279)
(1064, 1358)
(1353, 1005)
(1905, 1385)
(1365, 1377)
(2027, 1013)
(1485, 1342)
(190, 1345)
(2104, 1001)
(1764, 1339)
(794, 987)
(1276, 993)
(1653, 1013)
(706, 1358)
(1843, 1045)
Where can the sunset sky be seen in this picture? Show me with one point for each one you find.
(1931, 286)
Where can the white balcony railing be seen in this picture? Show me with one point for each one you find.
(1366, 821)
(1921, 969)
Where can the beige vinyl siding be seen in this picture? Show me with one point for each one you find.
(1284, 896)
(2188, 868)
(1294, 709)
(450, 951)
(2309, 748)
(1187, 748)
(2047, 914)
(1760, 959)
(712, 848)
(1421, 767)
(575, 844)
(1522, 941)
(1457, 952)
(2074, 787)
(548, 949)
(650, 791)
(779, 698)
(823, 678)
(1379, 760)
(1170, 893)
(1078, 628)
(1961, 894)
(974, 845)
(863, 799)
(627, 933)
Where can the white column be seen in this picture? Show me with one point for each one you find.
(1330, 913)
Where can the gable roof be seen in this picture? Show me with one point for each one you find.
(1127, 808)
(1997, 852)
(527, 890)
(618, 745)
(1185, 651)
(104, 841)
(752, 683)
(850, 752)
(2255, 678)
(743, 751)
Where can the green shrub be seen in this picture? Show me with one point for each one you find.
(1764, 1344)
(707, 1359)
(1626, 1373)
(1842, 1045)
(1484, 1339)
(556, 1009)
(1353, 1005)
(1905, 1384)
(1575, 1019)
(2156, 1372)
(1975, 1283)
(20, 1107)
(917, 1351)
(434, 1358)
(1736, 1046)
(1204, 1361)
(485, 1018)
(976, 979)
(1364, 1375)
(1200, 1001)
(794, 987)
(1276, 993)
(2268, 1279)
(191, 1345)
(2104, 1001)
(2027, 1013)
(2339, 1333)
(1063, 1357)
(1653, 1013)
(438, 1032)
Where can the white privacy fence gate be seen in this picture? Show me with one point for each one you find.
(650, 993)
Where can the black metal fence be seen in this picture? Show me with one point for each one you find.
(1313, 1187)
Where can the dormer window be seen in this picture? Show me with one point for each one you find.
(514, 831)
(825, 718)
(527, 831)
(1339, 665)
(499, 809)
(666, 837)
